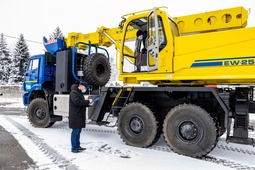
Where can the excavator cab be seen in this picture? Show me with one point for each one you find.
(146, 50)
(135, 59)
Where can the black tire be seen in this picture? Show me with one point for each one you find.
(51, 124)
(158, 119)
(137, 126)
(38, 113)
(189, 130)
(96, 69)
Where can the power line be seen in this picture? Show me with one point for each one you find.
(25, 39)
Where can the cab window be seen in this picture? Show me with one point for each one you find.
(132, 44)
(174, 28)
(162, 36)
(33, 64)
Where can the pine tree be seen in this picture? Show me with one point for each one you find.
(15, 76)
(21, 52)
(5, 61)
(3, 46)
(57, 33)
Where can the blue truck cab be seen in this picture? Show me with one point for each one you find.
(39, 74)
(48, 79)
(39, 77)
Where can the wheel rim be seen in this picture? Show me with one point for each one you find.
(100, 69)
(136, 125)
(188, 131)
(40, 113)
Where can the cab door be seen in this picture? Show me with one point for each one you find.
(32, 73)
(153, 41)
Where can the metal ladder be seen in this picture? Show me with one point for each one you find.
(119, 102)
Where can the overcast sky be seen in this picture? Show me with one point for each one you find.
(38, 18)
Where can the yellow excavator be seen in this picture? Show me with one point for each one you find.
(204, 48)
(200, 67)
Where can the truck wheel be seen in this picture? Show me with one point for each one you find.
(137, 126)
(96, 69)
(190, 130)
(38, 113)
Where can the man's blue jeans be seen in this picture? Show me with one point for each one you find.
(75, 139)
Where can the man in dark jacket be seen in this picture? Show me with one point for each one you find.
(77, 114)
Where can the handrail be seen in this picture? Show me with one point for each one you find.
(142, 11)
(89, 52)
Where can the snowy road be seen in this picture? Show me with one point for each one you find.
(50, 148)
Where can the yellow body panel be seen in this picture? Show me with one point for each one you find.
(213, 20)
(220, 53)
(208, 48)
(217, 57)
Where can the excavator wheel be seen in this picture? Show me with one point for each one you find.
(189, 130)
(137, 125)
(96, 69)
(38, 113)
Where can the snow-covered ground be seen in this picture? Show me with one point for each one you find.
(11, 103)
(50, 149)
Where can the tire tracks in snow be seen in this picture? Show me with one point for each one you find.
(61, 162)
(208, 158)
(220, 161)
(57, 159)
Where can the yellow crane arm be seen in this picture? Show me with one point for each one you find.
(102, 37)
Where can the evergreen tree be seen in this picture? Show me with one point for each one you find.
(3, 46)
(20, 53)
(57, 33)
(15, 75)
(5, 61)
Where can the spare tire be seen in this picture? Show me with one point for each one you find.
(96, 69)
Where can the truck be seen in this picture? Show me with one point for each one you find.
(200, 69)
